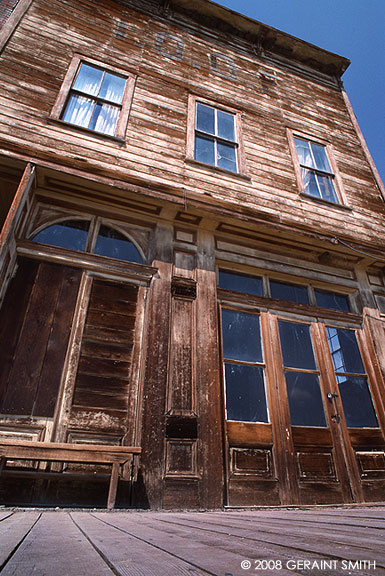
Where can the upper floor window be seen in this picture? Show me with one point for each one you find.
(215, 142)
(95, 98)
(316, 172)
(214, 136)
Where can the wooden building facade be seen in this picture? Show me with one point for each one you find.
(191, 259)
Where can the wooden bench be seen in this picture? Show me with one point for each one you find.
(81, 453)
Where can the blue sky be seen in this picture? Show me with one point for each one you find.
(351, 28)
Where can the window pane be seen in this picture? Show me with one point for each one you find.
(245, 393)
(225, 128)
(114, 245)
(310, 183)
(332, 300)
(345, 351)
(226, 157)
(357, 402)
(304, 153)
(79, 111)
(88, 79)
(326, 186)
(112, 88)
(289, 292)
(240, 283)
(305, 401)
(71, 234)
(104, 118)
(205, 150)
(297, 349)
(241, 336)
(206, 118)
(321, 159)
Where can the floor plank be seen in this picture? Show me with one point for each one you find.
(13, 528)
(56, 547)
(216, 553)
(129, 555)
(316, 542)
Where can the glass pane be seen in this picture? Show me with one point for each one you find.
(241, 336)
(289, 292)
(328, 191)
(297, 349)
(310, 183)
(113, 244)
(71, 234)
(320, 157)
(112, 88)
(205, 150)
(245, 393)
(345, 352)
(79, 111)
(88, 79)
(104, 119)
(226, 156)
(305, 401)
(206, 118)
(332, 300)
(240, 283)
(304, 154)
(225, 127)
(357, 402)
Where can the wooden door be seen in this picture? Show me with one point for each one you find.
(254, 457)
(35, 325)
(303, 420)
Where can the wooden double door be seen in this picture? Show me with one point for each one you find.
(304, 419)
(68, 367)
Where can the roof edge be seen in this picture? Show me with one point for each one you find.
(265, 37)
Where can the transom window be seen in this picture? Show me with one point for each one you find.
(215, 137)
(74, 235)
(95, 98)
(300, 294)
(316, 172)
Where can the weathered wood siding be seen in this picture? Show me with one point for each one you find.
(173, 57)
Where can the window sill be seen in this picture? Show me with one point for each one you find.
(75, 127)
(327, 202)
(216, 170)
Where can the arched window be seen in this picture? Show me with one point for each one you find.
(72, 234)
(113, 244)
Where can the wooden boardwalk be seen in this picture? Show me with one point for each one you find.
(319, 541)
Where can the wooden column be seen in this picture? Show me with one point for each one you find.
(155, 379)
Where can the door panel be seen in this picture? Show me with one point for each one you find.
(34, 337)
(252, 475)
(105, 390)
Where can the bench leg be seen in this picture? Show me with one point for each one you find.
(113, 486)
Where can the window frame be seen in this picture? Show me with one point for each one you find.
(191, 132)
(334, 174)
(66, 89)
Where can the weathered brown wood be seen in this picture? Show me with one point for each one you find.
(131, 353)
